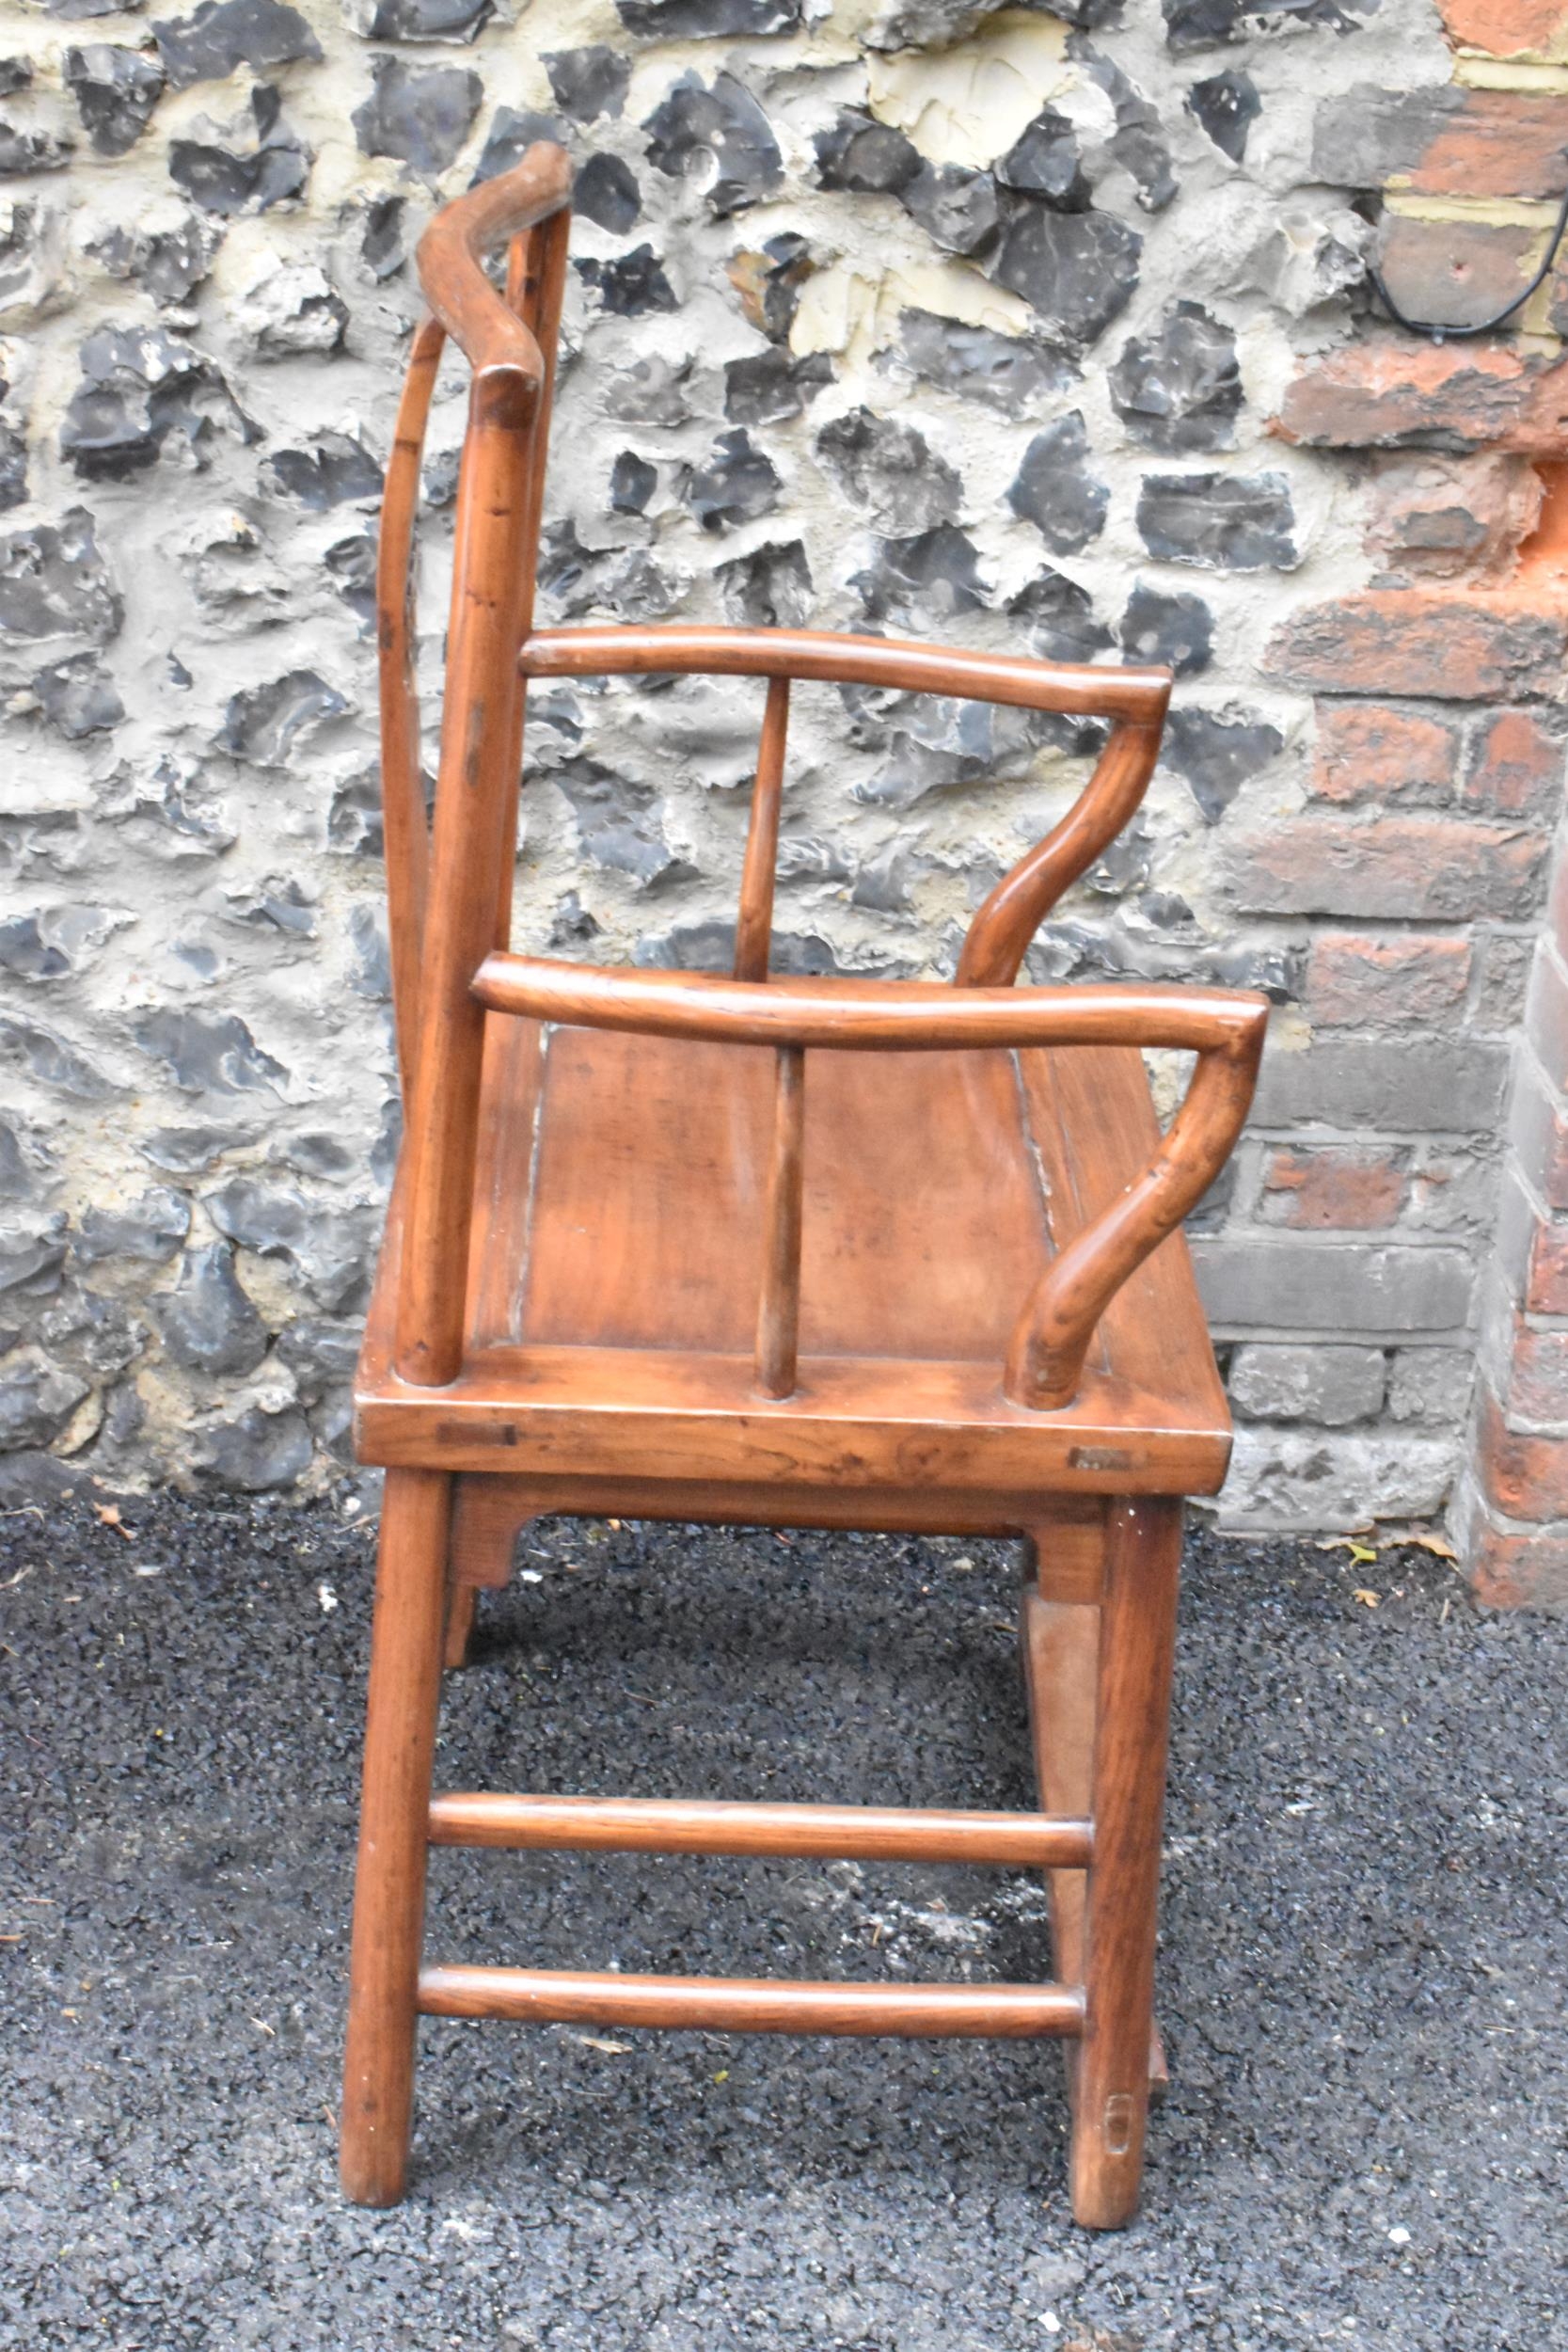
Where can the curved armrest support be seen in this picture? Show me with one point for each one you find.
(489, 334)
(1007, 919)
(1050, 1339)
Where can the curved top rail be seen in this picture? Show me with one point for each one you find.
(487, 332)
(823, 656)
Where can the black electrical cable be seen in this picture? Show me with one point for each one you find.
(1441, 334)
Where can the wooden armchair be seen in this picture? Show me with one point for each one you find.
(830, 1253)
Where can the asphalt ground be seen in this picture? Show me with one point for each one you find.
(1361, 1987)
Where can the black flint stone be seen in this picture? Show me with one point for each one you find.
(1227, 522)
(707, 20)
(139, 388)
(722, 125)
(630, 286)
(207, 45)
(1215, 753)
(420, 20)
(420, 113)
(208, 1053)
(16, 73)
(227, 181)
(618, 822)
(207, 1321)
(167, 264)
(261, 723)
(1007, 371)
(79, 697)
(1225, 105)
(1046, 162)
(1058, 616)
(13, 468)
(510, 137)
(352, 565)
(1078, 270)
(1176, 631)
(606, 192)
(887, 468)
(54, 584)
(257, 1451)
(116, 90)
(1055, 489)
(737, 484)
(864, 155)
(632, 481)
(336, 470)
(766, 386)
(25, 952)
(958, 209)
(1181, 389)
(381, 248)
(587, 83)
(935, 575)
(769, 588)
(1137, 144)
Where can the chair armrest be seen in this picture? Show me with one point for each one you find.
(854, 1015)
(1225, 1029)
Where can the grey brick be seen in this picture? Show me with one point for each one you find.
(1330, 1385)
(1429, 1085)
(1431, 1384)
(1332, 1286)
(1285, 1478)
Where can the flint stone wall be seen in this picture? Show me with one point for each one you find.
(905, 314)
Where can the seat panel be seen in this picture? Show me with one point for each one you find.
(625, 1207)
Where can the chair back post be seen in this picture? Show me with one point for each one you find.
(405, 832)
(498, 496)
(535, 285)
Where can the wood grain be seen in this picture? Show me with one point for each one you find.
(388, 1902)
(1137, 1641)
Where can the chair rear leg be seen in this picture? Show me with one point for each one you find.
(1137, 1636)
(389, 1902)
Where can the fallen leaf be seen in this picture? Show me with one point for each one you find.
(597, 2042)
(1367, 1600)
(722, 2075)
(1433, 1544)
(109, 1514)
(1358, 1552)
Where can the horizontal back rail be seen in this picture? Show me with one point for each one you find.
(826, 658)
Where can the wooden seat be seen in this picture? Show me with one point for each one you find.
(726, 1246)
(622, 1190)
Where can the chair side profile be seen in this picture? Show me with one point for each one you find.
(749, 1249)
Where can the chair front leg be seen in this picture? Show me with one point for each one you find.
(1137, 1638)
(389, 1902)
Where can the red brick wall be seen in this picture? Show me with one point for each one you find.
(1435, 796)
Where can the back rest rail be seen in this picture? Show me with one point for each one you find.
(826, 657)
